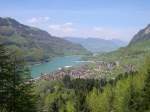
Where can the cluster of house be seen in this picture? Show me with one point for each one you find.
(129, 68)
(84, 71)
(78, 72)
(72, 72)
(107, 66)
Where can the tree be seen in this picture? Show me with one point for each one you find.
(146, 94)
(67, 81)
(15, 89)
(140, 91)
(5, 85)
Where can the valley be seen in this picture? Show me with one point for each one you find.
(97, 45)
(33, 44)
(83, 68)
(107, 82)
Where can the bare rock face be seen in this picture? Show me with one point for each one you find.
(142, 35)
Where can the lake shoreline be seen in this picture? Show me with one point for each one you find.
(54, 65)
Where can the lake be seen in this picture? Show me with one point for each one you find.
(54, 65)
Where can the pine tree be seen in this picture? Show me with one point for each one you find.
(146, 94)
(5, 84)
(15, 90)
(134, 96)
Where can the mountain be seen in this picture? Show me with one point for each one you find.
(34, 44)
(134, 52)
(98, 45)
(140, 43)
(142, 35)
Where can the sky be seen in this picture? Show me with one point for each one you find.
(107, 19)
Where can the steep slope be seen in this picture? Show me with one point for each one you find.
(141, 41)
(34, 44)
(142, 35)
(138, 48)
(98, 45)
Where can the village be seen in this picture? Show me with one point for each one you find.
(96, 70)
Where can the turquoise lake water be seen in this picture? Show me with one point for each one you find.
(54, 65)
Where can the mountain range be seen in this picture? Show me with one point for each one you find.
(98, 45)
(35, 44)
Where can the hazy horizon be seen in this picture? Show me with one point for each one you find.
(90, 18)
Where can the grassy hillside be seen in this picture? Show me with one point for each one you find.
(34, 44)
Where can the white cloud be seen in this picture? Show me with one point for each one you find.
(73, 30)
(65, 29)
(68, 29)
(35, 20)
(106, 33)
(68, 24)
